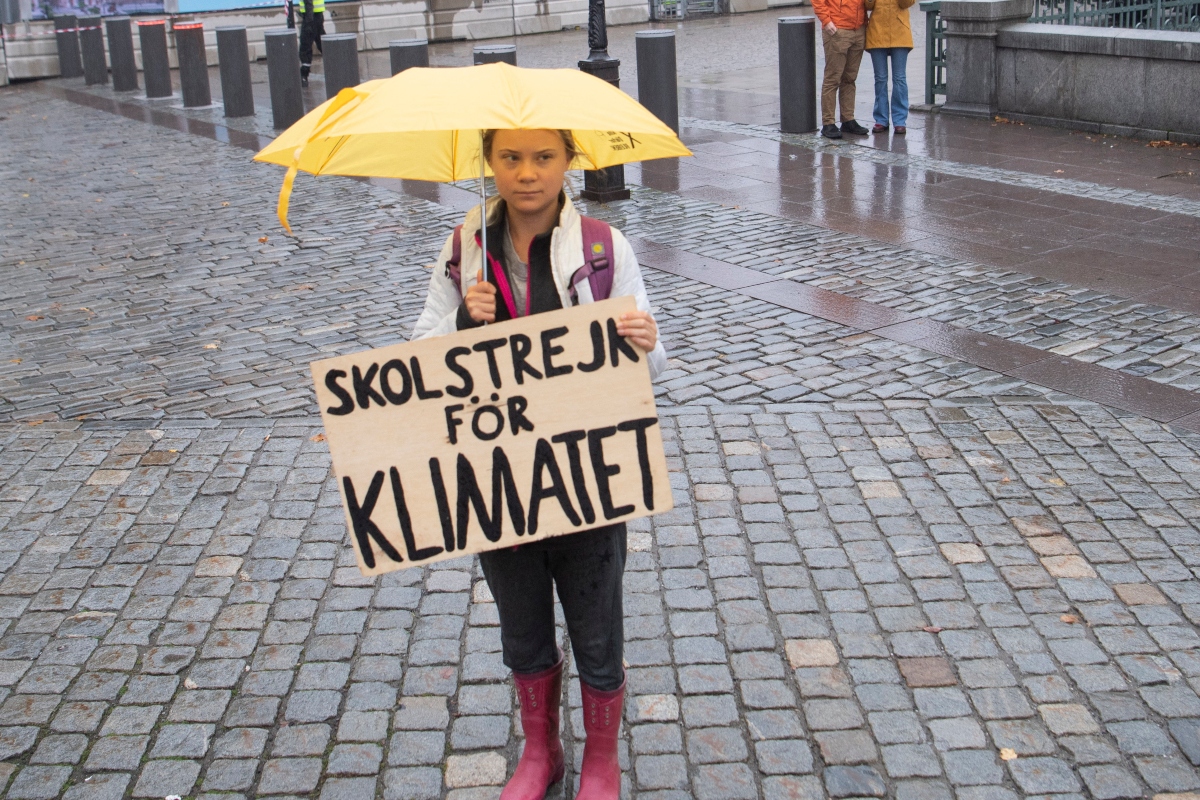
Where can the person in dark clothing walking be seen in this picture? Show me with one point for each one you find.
(312, 27)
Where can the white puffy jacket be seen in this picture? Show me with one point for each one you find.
(566, 256)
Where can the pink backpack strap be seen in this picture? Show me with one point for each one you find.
(454, 265)
(599, 262)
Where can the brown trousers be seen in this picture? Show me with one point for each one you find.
(843, 54)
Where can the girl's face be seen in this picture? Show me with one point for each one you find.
(529, 166)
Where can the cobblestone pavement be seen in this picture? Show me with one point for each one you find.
(888, 572)
(1136, 338)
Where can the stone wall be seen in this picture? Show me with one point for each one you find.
(1126, 82)
(1105, 80)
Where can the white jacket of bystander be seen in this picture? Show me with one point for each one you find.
(566, 256)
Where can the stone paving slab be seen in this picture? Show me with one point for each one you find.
(924, 163)
(888, 572)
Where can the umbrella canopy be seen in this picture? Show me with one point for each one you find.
(424, 124)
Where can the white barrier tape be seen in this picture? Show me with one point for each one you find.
(47, 33)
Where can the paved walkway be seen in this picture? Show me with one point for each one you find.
(934, 533)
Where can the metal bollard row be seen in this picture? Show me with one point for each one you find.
(81, 51)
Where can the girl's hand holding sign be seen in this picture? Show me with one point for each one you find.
(639, 327)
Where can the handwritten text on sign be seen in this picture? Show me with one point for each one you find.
(494, 436)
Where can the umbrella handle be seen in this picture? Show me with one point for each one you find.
(483, 207)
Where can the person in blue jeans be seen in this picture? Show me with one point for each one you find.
(889, 36)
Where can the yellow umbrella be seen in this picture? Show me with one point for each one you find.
(426, 124)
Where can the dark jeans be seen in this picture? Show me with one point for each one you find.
(587, 569)
(310, 34)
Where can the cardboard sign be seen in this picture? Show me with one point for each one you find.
(493, 437)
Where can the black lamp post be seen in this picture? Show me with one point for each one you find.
(609, 183)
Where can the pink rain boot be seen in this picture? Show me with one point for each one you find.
(600, 778)
(542, 762)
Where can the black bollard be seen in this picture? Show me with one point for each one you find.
(233, 55)
(658, 84)
(156, 65)
(120, 53)
(193, 64)
(339, 55)
(495, 53)
(283, 75)
(66, 34)
(408, 53)
(91, 44)
(797, 74)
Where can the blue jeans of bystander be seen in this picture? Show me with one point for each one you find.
(899, 105)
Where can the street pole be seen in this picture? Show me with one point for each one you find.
(606, 184)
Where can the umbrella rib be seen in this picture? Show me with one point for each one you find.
(332, 152)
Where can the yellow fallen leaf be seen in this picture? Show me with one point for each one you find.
(35, 422)
(1007, 754)
(14, 361)
(224, 204)
(320, 437)
(1070, 619)
(262, 240)
(33, 317)
(212, 346)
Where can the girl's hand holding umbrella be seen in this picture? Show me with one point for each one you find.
(481, 300)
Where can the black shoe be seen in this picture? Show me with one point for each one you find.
(831, 131)
(853, 127)
(304, 81)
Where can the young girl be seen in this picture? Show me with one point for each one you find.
(535, 245)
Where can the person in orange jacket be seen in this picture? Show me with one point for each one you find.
(843, 30)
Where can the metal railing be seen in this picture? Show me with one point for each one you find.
(1157, 15)
(935, 50)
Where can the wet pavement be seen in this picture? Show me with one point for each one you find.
(930, 414)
